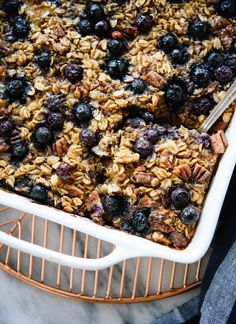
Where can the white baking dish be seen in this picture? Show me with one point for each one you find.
(129, 246)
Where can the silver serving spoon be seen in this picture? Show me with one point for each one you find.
(229, 97)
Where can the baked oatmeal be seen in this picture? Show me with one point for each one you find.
(100, 102)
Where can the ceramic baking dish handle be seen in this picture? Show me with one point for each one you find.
(117, 255)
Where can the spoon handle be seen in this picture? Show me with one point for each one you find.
(219, 109)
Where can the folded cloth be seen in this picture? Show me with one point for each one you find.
(180, 314)
(217, 301)
(221, 295)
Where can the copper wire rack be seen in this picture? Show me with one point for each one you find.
(131, 281)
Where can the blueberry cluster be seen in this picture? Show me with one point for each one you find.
(118, 206)
(177, 53)
(178, 196)
(44, 133)
(144, 145)
(95, 22)
(18, 148)
(25, 187)
(20, 27)
(218, 66)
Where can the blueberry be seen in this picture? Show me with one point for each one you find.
(95, 11)
(215, 59)
(168, 42)
(19, 151)
(179, 55)
(202, 106)
(152, 136)
(20, 28)
(139, 220)
(138, 86)
(43, 135)
(39, 192)
(233, 46)
(63, 171)
(147, 116)
(205, 140)
(56, 120)
(15, 89)
(135, 122)
(116, 68)
(43, 59)
(200, 75)
(55, 102)
(82, 112)
(231, 62)
(88, 137)
(178, 196)
(74, 72)
(162, 131)
(114, 206)
(144, 23)
(189, 215)
(6, 128)
(226, 8)
(126, 227)
(223, 74)
(84, 27)
(102, 28)
(116, 47)
(175, 94)
(199, 29)
(143, 147)
(11, 7)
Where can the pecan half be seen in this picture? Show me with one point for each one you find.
(200, 173)
(162, 227)
(73, 191)
(117, 34)
(144, 178)
(4, 49)
(93, 203)
(60, 148)
(178, 239)
(219, 142)
(164, 160)
(3, 71)
(60, 30)
(154, 79)
(130, 32)
(219, 22)
(4, 147)
(183, 171)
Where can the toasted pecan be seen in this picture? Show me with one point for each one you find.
(154, 79)
(183, 171)
(200, 173)
(219, 142)
(60, 148)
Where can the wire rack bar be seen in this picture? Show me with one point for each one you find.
(151, 278)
